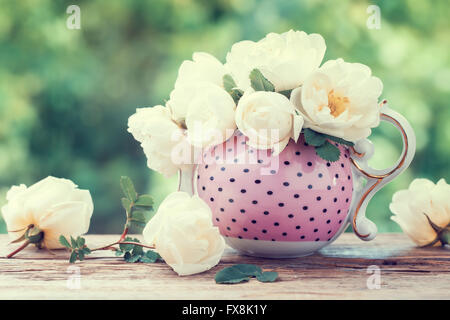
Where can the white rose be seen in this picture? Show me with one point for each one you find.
(284, 59)
(160, 137)
(268, 119)
(207, 111)
(422, 197)
(204, 68)
(54, 206)
(183, 234)
(340, 99)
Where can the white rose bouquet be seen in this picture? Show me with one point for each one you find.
(271, 90)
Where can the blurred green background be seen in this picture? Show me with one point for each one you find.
(66, 95)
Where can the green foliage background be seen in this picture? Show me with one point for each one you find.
(66, 95)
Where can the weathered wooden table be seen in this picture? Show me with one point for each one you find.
(339, 271)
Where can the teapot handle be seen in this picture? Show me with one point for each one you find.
(362, 151)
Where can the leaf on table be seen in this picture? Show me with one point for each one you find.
(248, 269)
(242, 273)
(268, 276)
(230, 275)
(150, 257)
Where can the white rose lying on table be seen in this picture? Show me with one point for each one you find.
(42, 212)
(183, 234)
(423, 211)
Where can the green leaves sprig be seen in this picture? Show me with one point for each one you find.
(137, 207)
(138, 211)
(132, 252)
(257, 81)
(242, 273)
(324, 148)
(77, 247)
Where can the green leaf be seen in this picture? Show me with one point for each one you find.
(228, 83)
(248, 269)
(151, 257)
(230, 275)
(118, 253)
(73, 257)
(126, 204)
(127, 256)
(314, 138)
(259, 82)
(34, 235)
(132, 258)
(137, 224)
(328, 152)
(137, 250)
(236, 94)
(144, 259)
(81, 255)
(130, 239)
(80, 242)
(86, 250)
(128, 247)
(230, 86)
(286, 93)
(444, 236)
(144, 200)
(339, 140)
(73, 242)
(138, 216)
(64, 241)
(269, 276)
(128, 188)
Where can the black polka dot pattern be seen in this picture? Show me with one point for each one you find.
(304, 198)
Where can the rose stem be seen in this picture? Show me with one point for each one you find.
(124, 234)
(122, 242)
(23, 246)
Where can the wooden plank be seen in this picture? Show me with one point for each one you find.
(338, 271)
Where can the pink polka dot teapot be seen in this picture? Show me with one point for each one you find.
(295, 203)
(282, 139)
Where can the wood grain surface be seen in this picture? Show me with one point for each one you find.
(339, 271)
